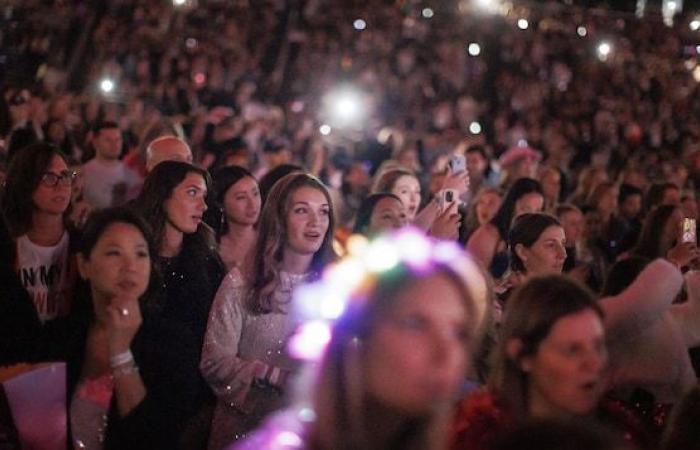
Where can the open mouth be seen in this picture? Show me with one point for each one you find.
(312, 235)
(126, 285)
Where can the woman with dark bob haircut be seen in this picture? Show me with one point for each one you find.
(380, 212)
(488, 243)
(174, 201)
(39, 258)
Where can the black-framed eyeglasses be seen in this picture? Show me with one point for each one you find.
(66, 178)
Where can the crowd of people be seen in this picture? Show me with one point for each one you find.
(500, 238)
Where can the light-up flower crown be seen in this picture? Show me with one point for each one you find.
(320, 304)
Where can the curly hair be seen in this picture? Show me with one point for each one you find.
(273, 235)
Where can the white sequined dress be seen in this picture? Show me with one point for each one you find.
(236, 342)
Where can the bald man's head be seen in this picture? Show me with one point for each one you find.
(167, 148)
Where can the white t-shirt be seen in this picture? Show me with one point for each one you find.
(44, 274)
(108, 185)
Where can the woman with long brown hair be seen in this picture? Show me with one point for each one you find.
(243, 357)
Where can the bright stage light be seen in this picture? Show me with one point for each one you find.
(523, 24)
(474, 49)
(106, 85)
(604, 50)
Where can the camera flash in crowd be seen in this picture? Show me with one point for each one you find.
(359, 24)
(474, 49)
(106, 85)
(523, 24)
(475, 128)
(695, 25)
(581, 31)
(179, 2)
(428, 13)
(604, 49)
(325, 129)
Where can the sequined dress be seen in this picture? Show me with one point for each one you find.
(237, 343)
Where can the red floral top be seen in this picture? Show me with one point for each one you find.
(480, 418)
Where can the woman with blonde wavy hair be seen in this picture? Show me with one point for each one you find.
(243, 358)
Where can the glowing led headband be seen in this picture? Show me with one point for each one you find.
(321, 303)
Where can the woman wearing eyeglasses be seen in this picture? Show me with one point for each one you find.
(35, 203)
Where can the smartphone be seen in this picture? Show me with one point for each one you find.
(457, 163)
(446, 198)
(689, 231)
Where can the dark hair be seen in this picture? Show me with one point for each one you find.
(622, 274)
(649, 243)
(272, 235)
(532, 311)
(270, 178)
(104, 125)
(23, 177)
(504, 216)
(526, 229)
(100, 220)
(364, 212)
(222, 180)
(158, 187)
(655, 194)
(627, 190)
(19, 139)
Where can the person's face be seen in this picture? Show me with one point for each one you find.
(277, 158)
(388, 214)
(53, 200)
(525, 168)
(169, 150)
(565, 376)
(417, 355)
(547, 253)
(108, 143)
(672, 196)
(572, 223)
(308, 219)
(551, 184)
(608, 201)
(186, 205)
(475, 162)
(242, 202)
(407, 189)
(487, 207)
(56, 132)
(119, 264)
(631, 206)
(529, 203)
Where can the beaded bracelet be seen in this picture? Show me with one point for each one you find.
(124, 370)
(121, 359)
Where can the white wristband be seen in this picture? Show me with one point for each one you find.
(121, 359)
